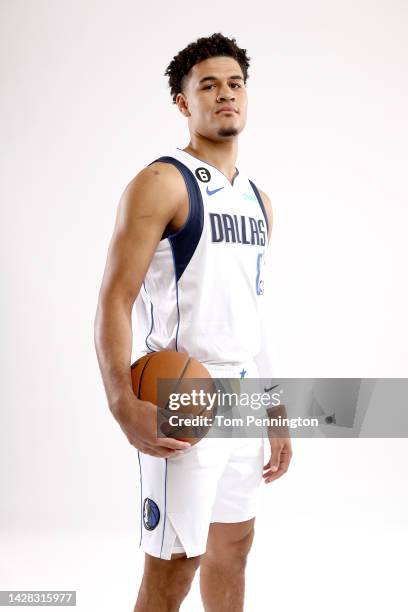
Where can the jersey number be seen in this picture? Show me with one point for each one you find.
(259, 281)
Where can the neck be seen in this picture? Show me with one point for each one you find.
(222, 155)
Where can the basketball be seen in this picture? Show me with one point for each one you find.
(160, 376)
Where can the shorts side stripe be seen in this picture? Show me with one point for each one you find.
(165, 502)
(141, 499)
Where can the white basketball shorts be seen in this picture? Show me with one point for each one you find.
(216, 480)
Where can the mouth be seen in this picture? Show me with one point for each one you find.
(226, 110)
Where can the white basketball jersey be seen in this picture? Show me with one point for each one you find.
(202, 291)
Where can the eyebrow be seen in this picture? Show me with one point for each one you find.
(213, 78)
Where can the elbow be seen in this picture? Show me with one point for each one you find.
(111, 307)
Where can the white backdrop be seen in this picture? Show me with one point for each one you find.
(84, 107)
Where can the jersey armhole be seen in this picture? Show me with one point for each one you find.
(184, 241)
(168, 232)
(261, 204)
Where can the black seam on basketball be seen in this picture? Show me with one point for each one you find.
(136, 363)
(200, 413)
(205, 408)
(180, 427)
(142, 372)
(178, 382)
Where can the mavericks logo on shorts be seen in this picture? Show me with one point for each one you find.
(151, 514)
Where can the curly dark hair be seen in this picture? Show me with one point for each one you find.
(203, 48)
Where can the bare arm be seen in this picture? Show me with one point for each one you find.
(264, 357)
(281, 447)
(148, 204)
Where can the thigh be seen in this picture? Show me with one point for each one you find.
(225, 539)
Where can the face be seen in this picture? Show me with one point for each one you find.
(212, 85)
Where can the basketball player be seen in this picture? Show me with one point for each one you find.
(187, 256)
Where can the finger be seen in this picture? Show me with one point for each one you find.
(270, 476)
(167, 452)
(157, 451)
(273, 478)
(283, 465)
(175, 453)
(148, 451)
(172, 443)
(145, 448)
(283, 460)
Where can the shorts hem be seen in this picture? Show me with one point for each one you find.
(167, 556)
(235, 519)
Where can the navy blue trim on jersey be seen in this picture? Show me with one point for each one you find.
(234, 177)
(185, 240)
(177, 297)
(165, 504)
(151, 327)
(152, 323)
(262, 205)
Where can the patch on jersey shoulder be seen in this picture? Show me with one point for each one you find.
(203, 175)
(151, 514)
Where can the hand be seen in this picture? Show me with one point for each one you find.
(278, 464)
(138, 421)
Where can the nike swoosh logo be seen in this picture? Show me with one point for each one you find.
(270, 388)
(209, 192)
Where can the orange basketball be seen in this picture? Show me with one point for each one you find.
(159, 377)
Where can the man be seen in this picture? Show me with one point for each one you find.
(188, 251)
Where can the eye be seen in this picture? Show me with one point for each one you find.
(235, 85)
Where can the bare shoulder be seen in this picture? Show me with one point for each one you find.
(163, 173)
(269, 212)
(149, 203)
(156, 192)
(160, 181)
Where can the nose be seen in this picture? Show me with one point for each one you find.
(225, 94)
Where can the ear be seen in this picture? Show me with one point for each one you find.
(182, 104)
